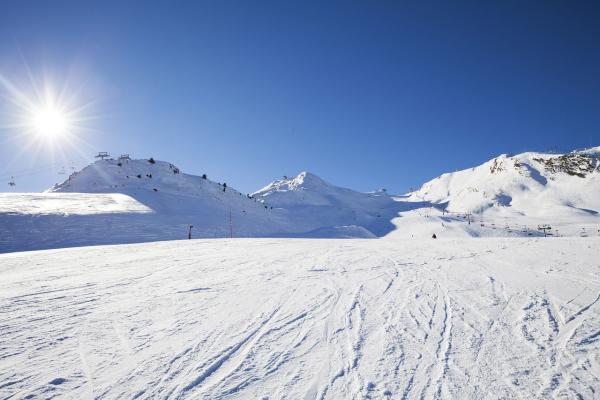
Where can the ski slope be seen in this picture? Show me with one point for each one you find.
(480, 318)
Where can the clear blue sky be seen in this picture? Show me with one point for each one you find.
(365, 94)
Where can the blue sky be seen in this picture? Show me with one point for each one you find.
(365, 94)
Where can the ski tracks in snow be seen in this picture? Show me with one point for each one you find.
(308, 319)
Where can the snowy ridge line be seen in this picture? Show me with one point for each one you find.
(116, 201)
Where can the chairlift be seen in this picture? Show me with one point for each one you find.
(102, 155)
(12, 181)
(62, 171)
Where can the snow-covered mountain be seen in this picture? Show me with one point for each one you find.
(534, 184)
(316, 206)
(162, 187)
(125, 201)
(128, 201)
(528, 188)
(303, 206)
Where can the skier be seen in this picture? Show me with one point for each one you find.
(433, 236)
(190, 232)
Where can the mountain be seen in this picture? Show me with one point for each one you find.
(316, 206)
(535, 188)
(126, 201)
(529, 183)
(303, 206)
(162, 187)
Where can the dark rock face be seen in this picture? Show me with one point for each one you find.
(572, 164)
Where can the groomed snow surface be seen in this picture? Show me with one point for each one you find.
(304, 319)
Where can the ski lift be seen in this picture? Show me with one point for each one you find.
(102, 155)
(12, 182)
(546, 229)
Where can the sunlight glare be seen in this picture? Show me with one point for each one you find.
(50, 122)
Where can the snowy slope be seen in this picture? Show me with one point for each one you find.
(534, 184)
(315, 205)
(103, 204)
(156, 184)
(304, 319)
(525, 189)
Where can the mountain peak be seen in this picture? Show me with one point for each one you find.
(306, 178)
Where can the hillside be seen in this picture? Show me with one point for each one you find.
(153, 182)
(528, 188)
(529, 183)
(156, 201)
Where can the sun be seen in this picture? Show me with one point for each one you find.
(43, 115)
(50, 122)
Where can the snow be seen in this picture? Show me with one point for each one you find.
(69, 203)
(304, 319)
